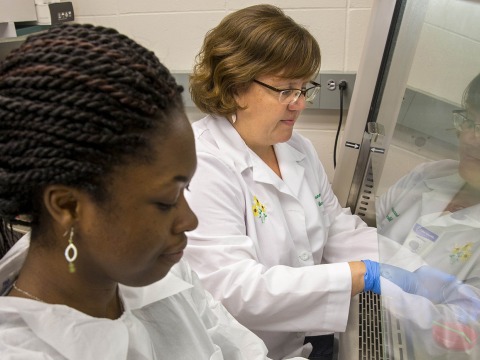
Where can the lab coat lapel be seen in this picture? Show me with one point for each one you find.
(441, 192)
(290, 162)
(263, 174)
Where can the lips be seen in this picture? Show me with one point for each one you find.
(288, 122)
(173, 257)
(175, 254)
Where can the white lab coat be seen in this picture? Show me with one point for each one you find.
(170, 319)
(411, 213)
(260, 238)
(414, 230)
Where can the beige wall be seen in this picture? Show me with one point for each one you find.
(174, 30)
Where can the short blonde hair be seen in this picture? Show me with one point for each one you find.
(251, 42)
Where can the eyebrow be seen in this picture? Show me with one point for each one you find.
(181, 178)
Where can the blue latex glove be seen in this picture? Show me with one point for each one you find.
(426, 281)
(372, 276)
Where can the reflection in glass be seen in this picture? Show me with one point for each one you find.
(428, 205)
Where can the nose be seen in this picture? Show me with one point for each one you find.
(299, 104)
(186, 220)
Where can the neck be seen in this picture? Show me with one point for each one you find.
(42, 280)
(467, 196)
(267, 154)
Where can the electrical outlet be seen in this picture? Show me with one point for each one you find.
(331, 85)
(329, 97)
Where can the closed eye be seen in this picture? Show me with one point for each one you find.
(165, 207)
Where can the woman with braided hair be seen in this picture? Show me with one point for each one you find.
(90, 128)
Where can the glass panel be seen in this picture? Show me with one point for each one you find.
(428, 198)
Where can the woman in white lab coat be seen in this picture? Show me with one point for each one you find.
(273, 243)
(433, 213)
(90, 123)
(432, 216)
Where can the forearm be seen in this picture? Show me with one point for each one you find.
(358, 270)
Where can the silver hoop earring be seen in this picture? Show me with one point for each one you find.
(71, 252)
(234, 118)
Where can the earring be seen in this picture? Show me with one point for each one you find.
(234, 118)
(71, 252)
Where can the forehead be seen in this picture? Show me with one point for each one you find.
(279, 78)
(172, 160)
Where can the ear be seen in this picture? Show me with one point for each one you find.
(62, 204)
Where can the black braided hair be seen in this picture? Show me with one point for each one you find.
(75, 101)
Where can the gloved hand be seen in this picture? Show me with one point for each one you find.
(463, 300)
(372, 276)
(426, 281)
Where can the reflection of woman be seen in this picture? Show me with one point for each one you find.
(433, 217)
(90, 123)
(268, 216)
(443, 227)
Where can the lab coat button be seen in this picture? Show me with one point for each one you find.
(304, 256)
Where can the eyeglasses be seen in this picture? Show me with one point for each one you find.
(463, 123)
(289, 96)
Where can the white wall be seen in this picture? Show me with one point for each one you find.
(448, 52)
(174, 30)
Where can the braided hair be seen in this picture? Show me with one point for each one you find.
(75, 101)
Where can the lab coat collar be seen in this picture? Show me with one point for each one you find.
(229, 142)
(170, 285)
(242, 157)
(442, 190)
(451, 182)
(291, 166)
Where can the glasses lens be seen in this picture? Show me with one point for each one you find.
(311, 93)
(462, 123)
(288, 96)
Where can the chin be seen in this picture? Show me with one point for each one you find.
(471, 176)
(146, 280)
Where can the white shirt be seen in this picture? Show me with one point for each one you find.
(170, 319)
(261, 238)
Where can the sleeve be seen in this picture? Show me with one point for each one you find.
(275, 298)
(235, 340)
(349, 237)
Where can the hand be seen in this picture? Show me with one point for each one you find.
(426, 281)
(462, 300)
